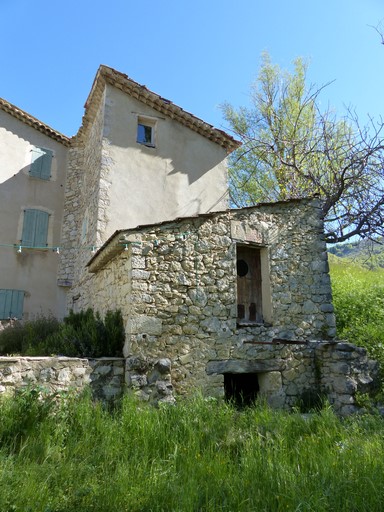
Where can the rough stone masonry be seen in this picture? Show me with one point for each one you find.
(238, 301)
(233, 303)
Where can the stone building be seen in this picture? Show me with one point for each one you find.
(33, 168)
(235, 303)
(137, 158)
(132, 213)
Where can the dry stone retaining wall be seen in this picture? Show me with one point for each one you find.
(105, 376)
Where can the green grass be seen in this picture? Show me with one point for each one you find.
(69, 454)
(358, 297)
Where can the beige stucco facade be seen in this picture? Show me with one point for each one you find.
(104, 179)
(183, 174)
(30, 270)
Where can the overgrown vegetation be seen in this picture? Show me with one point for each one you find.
(69, 454)
(358, 297)
(83, 334)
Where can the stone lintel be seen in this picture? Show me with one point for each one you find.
(244, 366)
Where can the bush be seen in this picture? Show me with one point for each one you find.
(22, 337)
(82, 334)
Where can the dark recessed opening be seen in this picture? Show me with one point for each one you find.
(240, 311)
(241, 388)
(242, 268)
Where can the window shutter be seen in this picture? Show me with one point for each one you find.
(41, 228)
(35, 228)
(11, 304)
(28, 236)
(41, 163)
(46, 164)
(17, 304)
(3, 298)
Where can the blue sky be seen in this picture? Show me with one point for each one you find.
(197, 53)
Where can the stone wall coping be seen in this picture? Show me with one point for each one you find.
(57, 358)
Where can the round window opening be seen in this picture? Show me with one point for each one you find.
(242, 268)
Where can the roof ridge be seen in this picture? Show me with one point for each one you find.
(141, 92)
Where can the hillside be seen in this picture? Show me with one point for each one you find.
(367, 253)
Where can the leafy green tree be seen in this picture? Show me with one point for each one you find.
(291, 148)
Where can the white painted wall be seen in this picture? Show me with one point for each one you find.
(34, 271)
(185, 174)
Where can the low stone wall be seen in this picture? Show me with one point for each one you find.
(343, 369)
(288, 374)
(105, 376)
(150, 379)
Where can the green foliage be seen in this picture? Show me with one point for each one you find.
(294, 148)
(21, 337)
(367, 253)
(82, 334)
(201, 455)
(358, 298)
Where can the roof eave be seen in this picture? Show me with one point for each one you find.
(106, 75)
(26, 118)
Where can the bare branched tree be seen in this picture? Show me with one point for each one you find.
(292, 149)
(379, 30)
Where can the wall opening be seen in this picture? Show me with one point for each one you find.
(253, 288)
(249, 291)
(241, 388)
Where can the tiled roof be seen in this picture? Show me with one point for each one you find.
(32, 121)
(109, 75)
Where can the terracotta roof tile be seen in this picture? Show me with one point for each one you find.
(117, 79)
(32, 121)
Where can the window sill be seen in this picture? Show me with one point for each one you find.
(152, 146)
(239, 325)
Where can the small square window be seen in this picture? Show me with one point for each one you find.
(146, 132)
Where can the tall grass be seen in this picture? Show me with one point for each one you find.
(69, 454)
(358, 297)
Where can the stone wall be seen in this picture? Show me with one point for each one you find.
(105, 376)
(81, 229)
(175, 284)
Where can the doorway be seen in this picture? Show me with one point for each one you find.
(241, 388)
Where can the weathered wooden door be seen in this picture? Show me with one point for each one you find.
(249, 300)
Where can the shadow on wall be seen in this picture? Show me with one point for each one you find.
(185, 152)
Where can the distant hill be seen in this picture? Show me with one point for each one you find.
(366, 253)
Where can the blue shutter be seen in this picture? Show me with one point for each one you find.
(46, 164)
(11, 304)
(17, 304)
(41, 163)
(28, 236)
(3, 297)
(41, 228)
(35, 228)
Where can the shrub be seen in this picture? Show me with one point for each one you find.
(82, 334)
(22, 337)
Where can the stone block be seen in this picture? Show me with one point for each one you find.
(163, 366)
(144, 324)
